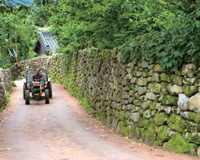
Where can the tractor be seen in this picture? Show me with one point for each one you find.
(38, 89)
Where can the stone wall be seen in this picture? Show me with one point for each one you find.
(8, 75)
(23, 66)
(5, 85)
(138, 100)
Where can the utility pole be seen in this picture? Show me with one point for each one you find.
(16, 56)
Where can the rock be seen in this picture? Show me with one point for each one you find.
(168, 110)
(151, 96)
(190, 81)
(160, 118)
(121, 115)
(165, 78)
(193, 137)
(183, 102)
(147, 114)
(189, 90)
(129, 70)
(174, 89)
(178, 80)
(176, 123)
(169, 100)
(135, 117)
(191, 116)
(195, 103)
(154, 87)
(157, 68)
(156, 77)
(163, 133)
(141, 90)
(177, 144)
(187, 70)
(133, 80)
(150, 135)
(128, 76)
(114, 123)
(198, 152)
(144, 64)
(142, 81)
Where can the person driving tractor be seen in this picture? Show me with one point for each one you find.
(37, 76)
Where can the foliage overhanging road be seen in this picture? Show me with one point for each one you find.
(62, 130)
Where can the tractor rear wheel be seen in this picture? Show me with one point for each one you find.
(47, 96)
(50, 91)
(27, 98)
(24, 89)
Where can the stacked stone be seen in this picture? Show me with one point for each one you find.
(5, 85)
(23, 66)
(137, 100)
(140, 101)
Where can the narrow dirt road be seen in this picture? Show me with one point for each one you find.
(62, 130)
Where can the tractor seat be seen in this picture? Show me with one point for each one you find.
(36, 84)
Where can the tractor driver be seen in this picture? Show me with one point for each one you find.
(37, 75)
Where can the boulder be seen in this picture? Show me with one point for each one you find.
(144, 64)
(165, 77)
(195, 103)
(176, 123)
(155, 87)
(151, 96)
(177, 144)
(142, 82)
(198, 152)
(189, 90)
(135, 117)
(183, 102)
(157, 68)
(174, 89)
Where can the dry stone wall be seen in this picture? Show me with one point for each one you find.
(8, 75)
(23, 66)
(138, 100)
(5, 85)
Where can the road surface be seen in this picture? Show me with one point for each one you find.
(62, 130)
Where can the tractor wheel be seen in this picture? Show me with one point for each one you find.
(24, 89)
(50, 91)
(27, 98)
(47, 96)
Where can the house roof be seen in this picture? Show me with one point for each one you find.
(47, 41)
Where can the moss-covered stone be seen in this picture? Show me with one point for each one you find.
(155, 87)
(160, 118)
(147, 114)
(157, 68)
(193, 149)
(169, 100)
(165, 77)
(177, 144)
(138, 132)
(193, 137)
(191, 126)
(121, 115)
(189, 90)
(143, 123)
(194, 117)
(125, 131)
(120, 127)
(163, 133)
(176, 123)
(150, 135)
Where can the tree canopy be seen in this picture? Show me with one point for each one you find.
(164, 31)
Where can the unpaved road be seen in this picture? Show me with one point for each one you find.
(62, 130)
